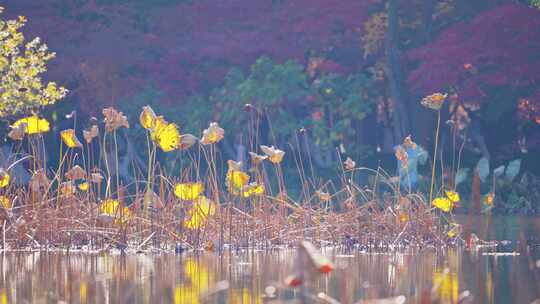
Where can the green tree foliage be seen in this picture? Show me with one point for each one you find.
(329, 106)
(22, 89)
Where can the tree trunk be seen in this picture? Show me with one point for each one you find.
(395, 75)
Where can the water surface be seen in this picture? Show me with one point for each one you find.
(105, 278)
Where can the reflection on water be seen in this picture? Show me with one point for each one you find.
(105, 278)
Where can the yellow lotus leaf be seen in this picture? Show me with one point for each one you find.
(188, 191)
(5, 202)
(147, 118)
(84, 186)
(111, 207)
(4, 178)
(453, 196)
(34, 125)
(165, 135)
(213, 134)
(237, 179)
(443, 203)
(274, 155)
(199, 213)
(253, 189)
(70, 139)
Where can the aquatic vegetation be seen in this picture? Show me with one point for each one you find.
(201, 205)
(434, 102)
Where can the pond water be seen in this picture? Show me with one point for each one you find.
(106, 278)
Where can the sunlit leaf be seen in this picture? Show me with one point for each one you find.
(253, 189)
(188, 191)
(236, 180)
(165, 135)
(147, 118)
(489, 198)
(443, 203)
(112, 208)
(453, 196)
(5, 202)
(84, 186)
(4, 178)
(202, 208)
(70, 139)
(34, 125)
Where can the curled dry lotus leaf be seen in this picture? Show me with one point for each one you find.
(274, 155)
(349, 164)
(114, 120)
(39, 180)
(213, 134)
(96, 177)
(91, 133)
(257, 158)
(234, 165)
(434, 101)
(147, 118)
(75, 173)
(187, 141)
(17, 132)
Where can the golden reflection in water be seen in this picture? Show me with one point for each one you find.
(103, 278)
